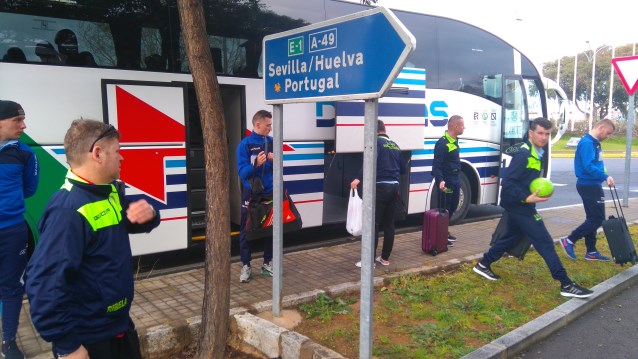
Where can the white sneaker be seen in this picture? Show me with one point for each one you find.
(358, 264)
(266, 269)
(246, 274)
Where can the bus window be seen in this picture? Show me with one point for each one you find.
(514, 114)
(74, 42)
(534, 100)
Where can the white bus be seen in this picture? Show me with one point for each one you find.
(124, 63)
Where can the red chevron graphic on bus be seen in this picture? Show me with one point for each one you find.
(139, 123)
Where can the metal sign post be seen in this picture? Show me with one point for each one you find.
(367, 238)
(631, 116)
(278, 194)
(627, 69)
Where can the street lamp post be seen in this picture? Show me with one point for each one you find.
(611, 83)
(574, 92)
(593, 81)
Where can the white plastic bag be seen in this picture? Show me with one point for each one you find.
(354, 221)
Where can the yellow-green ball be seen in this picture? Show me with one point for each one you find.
(544, 187)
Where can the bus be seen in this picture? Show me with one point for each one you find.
(124, 63)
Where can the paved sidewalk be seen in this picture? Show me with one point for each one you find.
(175, 301)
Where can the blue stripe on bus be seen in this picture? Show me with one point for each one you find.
(483, 159)
(326, 123)
(412, 71)
(420, 177)
(400, 81)
(304, 186)
(421, 163)
(400, 94)
(298, 170)
(176, 179)
(58, 151)
(306, 145)
(175, 163)
(486, 172)
(174, 200)
(385, 109)
(478, 149)
(303, 156)
(423, 152)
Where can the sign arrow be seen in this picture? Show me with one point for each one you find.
(354, 57)
(627, 68)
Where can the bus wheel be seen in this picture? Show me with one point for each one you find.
(465, 197)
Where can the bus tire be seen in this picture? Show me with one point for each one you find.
(465, 197)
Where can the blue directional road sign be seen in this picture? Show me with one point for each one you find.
(351, 57)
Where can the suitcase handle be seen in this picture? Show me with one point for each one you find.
(444, 194)
(619, 211)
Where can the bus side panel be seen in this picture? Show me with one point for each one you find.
(420, 177)
(303, 179)
(402, 109)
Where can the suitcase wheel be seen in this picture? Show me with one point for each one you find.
(435, 252)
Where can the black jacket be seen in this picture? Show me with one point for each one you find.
(447, 160)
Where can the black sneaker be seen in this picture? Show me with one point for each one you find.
(10, 350)
(450, 237)
(450, 243)
(485, 272)
(575, 291)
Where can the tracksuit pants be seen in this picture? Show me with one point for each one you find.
(245, 249)
(124, 346)
(386, 206)
(594, 204)
(450, 200)
(534, 227)
(13, 261)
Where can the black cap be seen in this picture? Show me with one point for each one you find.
(10, 109)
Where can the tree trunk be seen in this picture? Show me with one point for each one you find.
(215, 312)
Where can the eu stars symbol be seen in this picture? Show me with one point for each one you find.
(277, 87)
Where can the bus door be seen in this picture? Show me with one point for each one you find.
(233, 98)
(514, 120)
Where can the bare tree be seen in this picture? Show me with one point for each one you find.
(215, 312)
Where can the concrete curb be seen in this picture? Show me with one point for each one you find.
(540, 328)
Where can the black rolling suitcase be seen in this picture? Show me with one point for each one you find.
(520, 248)
(617, 233)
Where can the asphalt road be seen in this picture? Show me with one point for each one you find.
(607, 331)
(564, 180)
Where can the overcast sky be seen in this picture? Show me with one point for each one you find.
(544, 30)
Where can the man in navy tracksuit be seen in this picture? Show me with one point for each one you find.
(520, 205)
(254, 161)
(446, 168)
(18, 180)
(590, 172)
(80, 278)
(390, 167)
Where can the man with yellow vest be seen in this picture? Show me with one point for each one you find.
(520, 204)
(446, 168)
(80, 278)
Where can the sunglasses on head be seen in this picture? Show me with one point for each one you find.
(109, 131)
